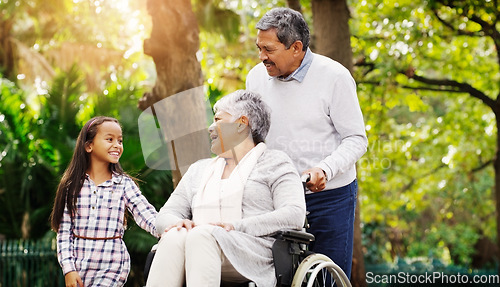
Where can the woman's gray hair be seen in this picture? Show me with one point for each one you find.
(289, 24)
(250, 104)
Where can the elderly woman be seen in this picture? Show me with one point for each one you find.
(219, 222)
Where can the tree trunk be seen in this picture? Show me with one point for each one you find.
(295, 5)
(358, 274)
(332, 38)
(6, 49)
(173, 45)
(497, 181)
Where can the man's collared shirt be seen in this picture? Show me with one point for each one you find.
(301, 71)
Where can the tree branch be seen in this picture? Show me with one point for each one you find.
(461, 87)
(415, 179)
(487, 29)
(431, 89)
(456, 30)
(373, 83)
(482, 166)
(362, 63)
(491, 31)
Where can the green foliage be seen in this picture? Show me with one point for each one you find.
(226, 61)
(427, 174)
(426, 182)
(39, 122)
(27, 170)
(217, 20)
(214, 94)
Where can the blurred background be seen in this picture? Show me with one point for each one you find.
(428, 84)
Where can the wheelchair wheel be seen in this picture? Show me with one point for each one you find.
(317, 270)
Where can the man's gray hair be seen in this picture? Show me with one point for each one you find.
(289, 24)
(250, 104)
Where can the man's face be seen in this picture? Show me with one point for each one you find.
(278, 60)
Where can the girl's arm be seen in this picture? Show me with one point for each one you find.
(144, 213)
(65, 244)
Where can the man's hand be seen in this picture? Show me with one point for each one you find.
(317, 181)
(185, 223)
(72, 279)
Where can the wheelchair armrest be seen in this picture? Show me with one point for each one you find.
(295, 236)
(149, 260)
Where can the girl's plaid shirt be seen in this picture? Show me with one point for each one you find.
(100, 214)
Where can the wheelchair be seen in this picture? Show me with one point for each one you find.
(295, 266)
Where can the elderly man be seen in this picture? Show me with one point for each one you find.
(316, 119)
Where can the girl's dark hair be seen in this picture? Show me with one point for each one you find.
(73, 177)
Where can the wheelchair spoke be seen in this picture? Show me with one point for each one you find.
(322, 279)
(319, 271)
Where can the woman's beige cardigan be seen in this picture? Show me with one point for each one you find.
(273, 200)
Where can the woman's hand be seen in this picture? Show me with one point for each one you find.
(226, 226)
(185, 223)
(72, 279)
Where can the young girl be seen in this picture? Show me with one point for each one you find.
(89, 209)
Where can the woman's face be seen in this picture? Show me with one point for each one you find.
(224, 134)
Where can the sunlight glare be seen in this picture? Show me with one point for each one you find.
(442, 184)
(489, 130)
(122, 5)
(41, 86)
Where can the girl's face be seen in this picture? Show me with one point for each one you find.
(107, 145)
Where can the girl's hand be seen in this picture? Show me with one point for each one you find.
(185, 223)
(226, 226)
(72, 279)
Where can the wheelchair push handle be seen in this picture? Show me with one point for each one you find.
(305, 178)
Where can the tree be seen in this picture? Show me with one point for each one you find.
(469, 19)
(38, 14)
(173, 45)
(427, 173)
